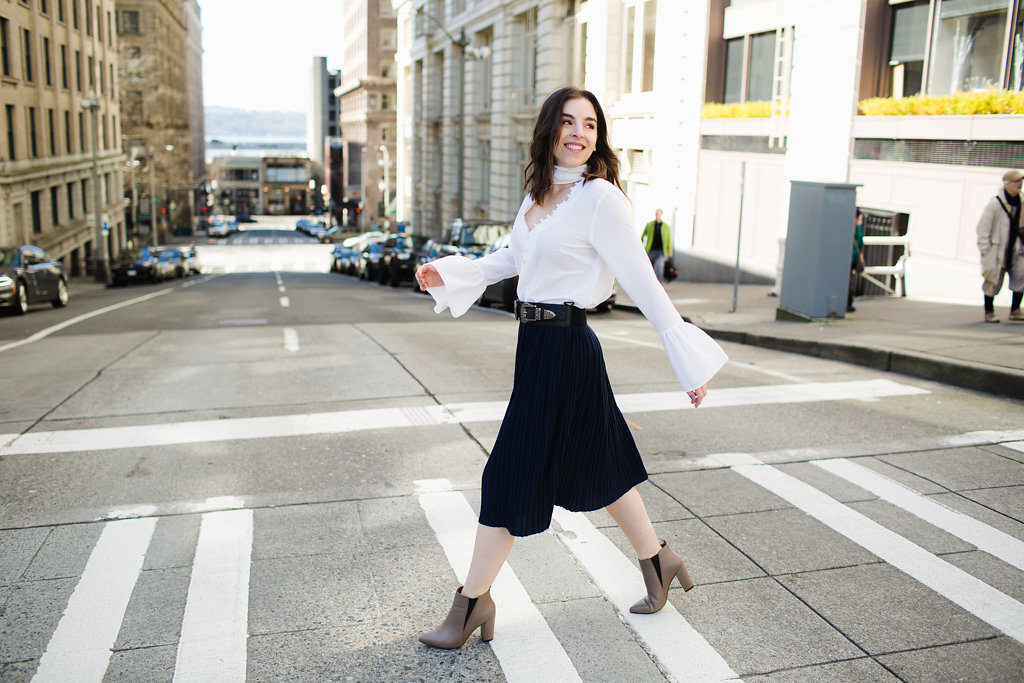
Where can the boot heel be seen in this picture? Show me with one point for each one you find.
(487, 630)
(684, 578)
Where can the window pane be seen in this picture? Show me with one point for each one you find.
(733, 70)
(967, 46)
(650, 23)
(627, 61)
(909, 33)
(762, 65)
(1017, 55)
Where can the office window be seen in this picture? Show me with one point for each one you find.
(44, 6)
(5, 48)
(128, 22)
(387, 38)
(99, 24)
(110, 32)
(52, 132)
(483, 67)
(103, 78)
(760, 67)
(967, 46)
(71, 201)
(734, 70)
(85, 195)
(47, 65)
(11, 148)
(78, 69)
(37, 212)
(74, 13)
(627, 56)
(906, 53)
(88, 20)
(650, 26)
(26, 51)
(60, 10)
(67, 132)
(113, 86)
(81, 131)
(33, 143)
(92, 72)
(64, 80)
(485, 172)
(54, 206)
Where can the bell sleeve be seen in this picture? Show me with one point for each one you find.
(465, 279)
(695, 356)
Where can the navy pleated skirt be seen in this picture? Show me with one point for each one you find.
(563, 440)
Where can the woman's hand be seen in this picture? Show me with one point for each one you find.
(427, 276)
(697, 395)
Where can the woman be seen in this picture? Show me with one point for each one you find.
(563, 440)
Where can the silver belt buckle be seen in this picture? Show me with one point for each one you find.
(530, 313)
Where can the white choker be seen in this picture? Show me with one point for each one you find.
(564, 175)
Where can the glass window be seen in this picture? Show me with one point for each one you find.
(128, 21)
(650, 25)
(734, 70)
(967, 46)
(628, 54)
(1017, 51)
(5, 60)
(762, 66)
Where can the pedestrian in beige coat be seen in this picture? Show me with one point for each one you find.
(1001, 243)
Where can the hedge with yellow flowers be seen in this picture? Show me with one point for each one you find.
(961, 103)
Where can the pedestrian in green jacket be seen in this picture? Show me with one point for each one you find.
(657, 239)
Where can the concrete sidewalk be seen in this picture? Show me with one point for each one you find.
(947, 343)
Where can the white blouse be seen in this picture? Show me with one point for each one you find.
(574, 255)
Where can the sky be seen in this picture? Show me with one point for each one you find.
(257, 53)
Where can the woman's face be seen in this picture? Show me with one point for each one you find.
(577, 134)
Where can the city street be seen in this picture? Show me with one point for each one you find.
(270, 472)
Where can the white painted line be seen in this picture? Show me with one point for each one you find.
(42, 334)
(165, 434)
(284, 302)
(975, 596)
(215, 627)
(281, 289)
(79, 649)
(291, 339)
(981, 535)
(1015, 445)
(526, 648)
(682, 652)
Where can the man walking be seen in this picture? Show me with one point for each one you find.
(1001, 243)
(657, 239)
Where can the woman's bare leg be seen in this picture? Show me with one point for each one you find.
(492, 546)
(631, 516)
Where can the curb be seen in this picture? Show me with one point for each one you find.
(960, 373)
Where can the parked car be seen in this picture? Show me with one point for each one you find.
(398, 261)
(314, 227)
(341, 258)
(175, 260)
(431, 251)
(191, 257)
(474, 237)
(503, 293)
(221, 227)
(368, 265)
(29, 276)
(139, 265)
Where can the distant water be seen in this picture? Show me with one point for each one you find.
(221, 145)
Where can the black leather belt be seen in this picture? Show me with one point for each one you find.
(559, 315)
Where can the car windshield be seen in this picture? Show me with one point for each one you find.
(481, 235)
(134, 254)
(8, 256)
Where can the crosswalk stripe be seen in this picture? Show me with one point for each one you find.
(526, 648)
(105, 438)
(678, 647)
(978, 598)
(291, 339)
(215, 626)
(79, 649)
(981, 535)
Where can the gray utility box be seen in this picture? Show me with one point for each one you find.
(819, 248)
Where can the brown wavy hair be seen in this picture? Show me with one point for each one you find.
(603, 162)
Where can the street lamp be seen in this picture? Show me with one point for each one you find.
(92, 104)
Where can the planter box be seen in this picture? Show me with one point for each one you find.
(976, 127)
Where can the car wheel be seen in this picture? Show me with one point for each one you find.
(62, 295)
(20, 305)
(382, 275)
(394, 277)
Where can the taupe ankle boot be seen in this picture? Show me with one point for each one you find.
(671, 566)
(463, 618)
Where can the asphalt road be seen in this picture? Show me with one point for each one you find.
(271, 474)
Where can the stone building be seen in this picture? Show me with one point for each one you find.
(323, 131)
(55, 58)
(367, 96)
(656, 63)
(161, 101)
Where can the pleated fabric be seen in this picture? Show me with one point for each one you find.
(563, 440)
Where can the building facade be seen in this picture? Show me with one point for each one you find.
(237, 184)
(367, 98)
(322, 119)
(194, 76)
(57, 57)
(654, 64)
(158, 64)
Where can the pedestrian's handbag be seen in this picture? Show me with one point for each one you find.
(670, 273)
(858, 263)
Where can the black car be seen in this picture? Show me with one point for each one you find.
(29, 276)
(341, 258)
(398, 260)
(139, 265)
(368, 262)
(431, 251)
(474, 237)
